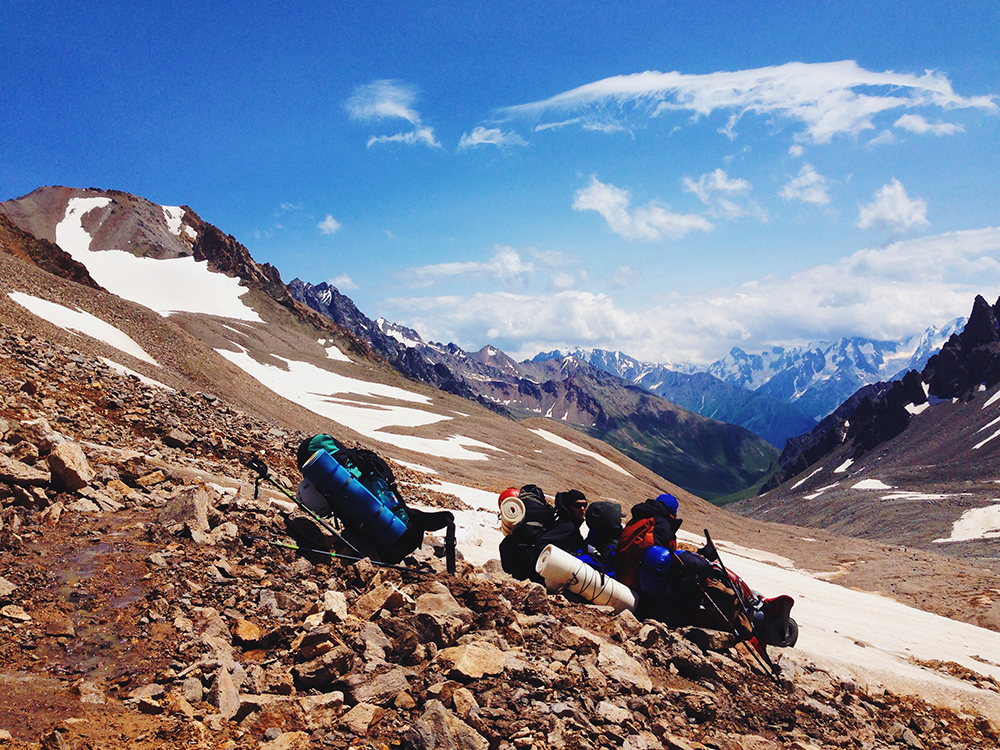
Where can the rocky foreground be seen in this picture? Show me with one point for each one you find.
(144, 603)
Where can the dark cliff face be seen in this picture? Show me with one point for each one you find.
(877, 412)
(46, 255)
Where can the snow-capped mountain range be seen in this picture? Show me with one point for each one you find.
(814, 379)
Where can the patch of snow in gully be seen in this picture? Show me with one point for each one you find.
(564, 443)
(166, 286)
(82, 322)
(806, 479)
(337, 397)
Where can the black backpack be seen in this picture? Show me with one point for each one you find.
(374, 473)
(518, 552)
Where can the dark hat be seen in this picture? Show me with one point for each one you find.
(569, 499)
(604, 517)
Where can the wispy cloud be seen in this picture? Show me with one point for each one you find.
(344, 283)
(717, 190)
(891, 207)
(809, 186)
(329, 225)
(917, 124)
(827, 98)
(713, 182)
(882, 293)
(390, 100)
(505, 266)
(650, 222)
(481, 136)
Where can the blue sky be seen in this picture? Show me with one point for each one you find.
(667, 179)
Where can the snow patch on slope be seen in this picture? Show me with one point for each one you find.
(563, 443)
(82, 322)
(166, 286)
(359, 405)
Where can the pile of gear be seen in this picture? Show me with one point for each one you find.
(637, 566)
(352, 494)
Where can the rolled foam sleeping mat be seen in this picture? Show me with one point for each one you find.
(511, 513)
(560, 569)
(351, 501)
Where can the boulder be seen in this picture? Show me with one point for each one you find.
(439, 728)
(69, 467)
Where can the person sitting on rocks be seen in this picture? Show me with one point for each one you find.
(571, 509)
(604, 524)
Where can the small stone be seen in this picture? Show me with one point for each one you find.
(360, 718)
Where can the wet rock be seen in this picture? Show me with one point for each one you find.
(69, 466)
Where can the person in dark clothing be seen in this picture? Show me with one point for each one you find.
(571, 508)
(604, 524)
(663, 511)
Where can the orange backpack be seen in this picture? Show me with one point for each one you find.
(636, 538)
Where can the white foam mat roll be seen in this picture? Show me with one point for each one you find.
(511, 513)
(560, 569)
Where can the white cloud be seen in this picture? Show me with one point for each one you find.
(329, 225)
(390, 100)
(717, 181)
(505, 266)
(796, 150)
(891, 207)
(481, 136)
(882, 293)
(827, 98)
(344, 283)
(884, 138)
(650, 222)
(917, 124)
(808, 186)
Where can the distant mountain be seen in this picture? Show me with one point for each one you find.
(763, 415)
(819, 377)
(926, 445)
(705, 456)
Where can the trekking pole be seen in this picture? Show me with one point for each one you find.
(762, 657)
(734, 631)
(257, 464)
(349, 558)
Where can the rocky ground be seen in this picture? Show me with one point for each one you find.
(145, 604)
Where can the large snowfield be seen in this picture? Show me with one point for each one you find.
(864, 637)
